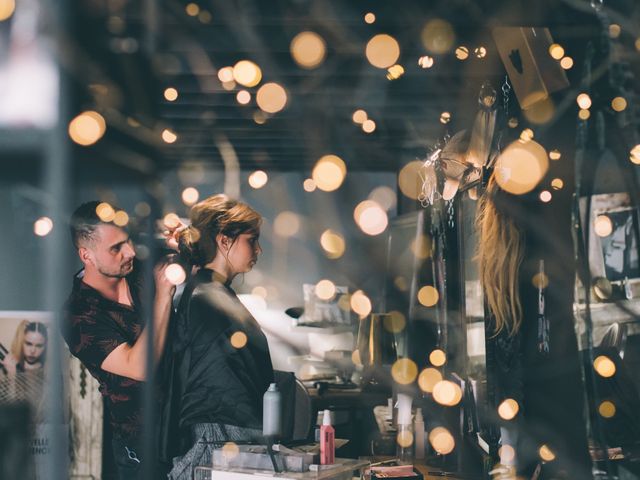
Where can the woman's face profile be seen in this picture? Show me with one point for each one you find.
(243, 253)
(33, 347)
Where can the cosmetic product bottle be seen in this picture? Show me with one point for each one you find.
(418, 432)
(405, 439)
(271, 412)
(327, 440)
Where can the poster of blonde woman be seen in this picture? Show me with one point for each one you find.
(23, 357)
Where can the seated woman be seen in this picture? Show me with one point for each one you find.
(219, 365)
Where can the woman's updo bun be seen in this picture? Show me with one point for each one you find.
(188, 245)
(210, 217)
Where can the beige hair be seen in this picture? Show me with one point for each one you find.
(210, 217)
(17, 345)
(500, 254)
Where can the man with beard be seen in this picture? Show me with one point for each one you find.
(105, 325)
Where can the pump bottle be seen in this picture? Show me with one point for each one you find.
(327, 440)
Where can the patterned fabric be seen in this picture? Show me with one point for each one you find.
(206, 437)
(95, 326)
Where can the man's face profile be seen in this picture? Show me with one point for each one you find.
(110, 251)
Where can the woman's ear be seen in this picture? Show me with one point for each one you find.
(223, 242)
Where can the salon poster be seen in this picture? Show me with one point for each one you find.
(24, 341)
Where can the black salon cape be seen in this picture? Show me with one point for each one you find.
(204, 377)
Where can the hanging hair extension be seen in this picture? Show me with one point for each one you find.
(500, 253)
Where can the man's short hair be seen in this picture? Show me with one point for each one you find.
(84, 222)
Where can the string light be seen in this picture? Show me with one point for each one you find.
(170, 94)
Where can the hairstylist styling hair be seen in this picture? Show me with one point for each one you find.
(220, 365)
(105, 326)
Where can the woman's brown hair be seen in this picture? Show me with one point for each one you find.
(500, 254)
(210, 217)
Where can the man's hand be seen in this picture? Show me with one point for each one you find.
(171, 228)
(164, 287)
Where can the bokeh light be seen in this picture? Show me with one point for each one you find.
(508, 409)
(447, 393)
(584, 114)
(175, 274)
(521, 166)
(243, 97)
(332, 243)
(359, 116)
(368, 126)
(438, 36)
(556, 51)
(192, 9)
(286, 224)
(634, 155)
(7, 8)
(258, 179)
(480, 52)
(619, 104)
(42, 226)
(438, 357)
(607, 409)
(445, 117)
(371, 218)
(409, 180)
(507, 454)
(394, 72)
(247, 73)
(421, 247)
(325, 289)
(428, 296)
(87, 128)
(394, 322)
(369, 18)
(190, 195)
(428, 379)
(238, 340)
(329, 173)
(225, 74)
(382, 51)
(584, 101)
(105, 212)
(230, 450)
(171, 94)
(271, 97)
(603, 226)
(168, 136)
(545, 196)
(171, 221)
(462, 52)
(309, 185)
(557, 184)
(405, 438)
(546, 454)
(441, 440)
(540, 112)
(308, 49)
(360, 303)
(404, 371)
(121, 218)
(426, 61)
(566, 63)
(555, 155)
(604, 366)
(614, 30)
(383, 196)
